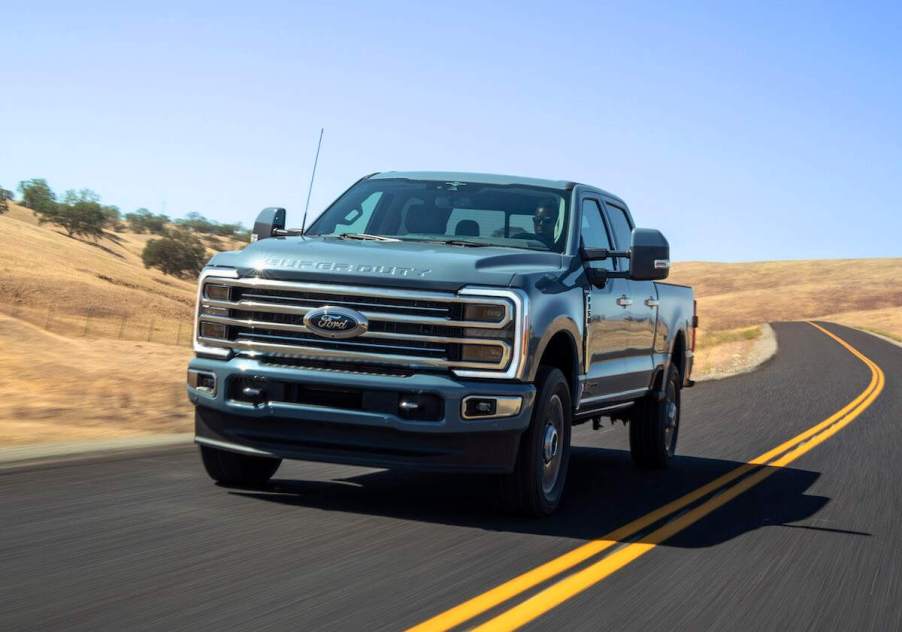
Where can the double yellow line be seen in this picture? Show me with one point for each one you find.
(750, 473)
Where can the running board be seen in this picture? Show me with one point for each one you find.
(595, 412)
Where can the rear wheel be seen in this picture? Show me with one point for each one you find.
(536, 485)
(655, 425)
(232, 468)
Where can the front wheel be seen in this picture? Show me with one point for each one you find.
(655, 424)
(536, 485)
(242, 470)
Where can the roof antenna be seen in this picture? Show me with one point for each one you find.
(312, 176)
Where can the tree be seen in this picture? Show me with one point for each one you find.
(198, 223)
(82, 218)
(80, 213)
(178, 254)
(5, 195)
(82, 195)
(38, 196)
(142, 221)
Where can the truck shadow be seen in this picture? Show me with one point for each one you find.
(605, 491)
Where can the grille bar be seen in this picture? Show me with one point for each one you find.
(318, 353)
(256, 296)
(260, 324)
(276, 308)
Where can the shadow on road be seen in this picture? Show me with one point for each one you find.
(605, 491)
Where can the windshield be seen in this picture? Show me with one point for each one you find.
(463, 213)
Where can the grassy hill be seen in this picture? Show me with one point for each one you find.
(59, 297)
(730, 295)
(64, 284)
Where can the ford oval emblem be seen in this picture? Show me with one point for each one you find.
(335, 322)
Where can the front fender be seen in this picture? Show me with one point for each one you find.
(549, 316)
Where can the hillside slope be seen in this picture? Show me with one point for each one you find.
(80, 287)
(732, 295)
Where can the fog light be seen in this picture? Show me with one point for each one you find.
(490, 354)
(488, 407)
(217, 292)
(484, 313)
(202, 381)
(213, 330)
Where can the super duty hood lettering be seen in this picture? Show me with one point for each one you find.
(351, 268)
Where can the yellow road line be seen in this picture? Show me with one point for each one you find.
(578, 582)
(498, 595)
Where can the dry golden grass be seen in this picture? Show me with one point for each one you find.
(886, 322)
(41, 268)
(732, 295)
(57, 388)
(60, 296)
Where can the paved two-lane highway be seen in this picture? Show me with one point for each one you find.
(146, 541)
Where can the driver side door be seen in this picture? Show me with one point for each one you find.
(605, 340)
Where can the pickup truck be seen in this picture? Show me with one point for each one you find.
(441, 321)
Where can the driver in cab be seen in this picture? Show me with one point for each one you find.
(544, 220)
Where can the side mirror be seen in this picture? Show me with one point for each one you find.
(649, 255)
(268, 223)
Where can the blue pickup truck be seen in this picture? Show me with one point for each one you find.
(441, 321)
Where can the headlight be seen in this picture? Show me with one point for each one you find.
(208, 288)
(484, 313)
(505, 315)
(482, 353)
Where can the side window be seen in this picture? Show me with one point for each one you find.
(593, 232)
(620, 226)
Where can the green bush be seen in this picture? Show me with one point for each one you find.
(178, 254)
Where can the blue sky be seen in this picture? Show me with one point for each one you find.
(744, 131)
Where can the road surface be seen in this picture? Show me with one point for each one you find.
(145, 541)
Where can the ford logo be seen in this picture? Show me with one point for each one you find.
(335, 322)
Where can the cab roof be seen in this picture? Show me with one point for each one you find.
(484, 178)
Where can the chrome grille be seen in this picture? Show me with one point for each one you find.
(405, 328)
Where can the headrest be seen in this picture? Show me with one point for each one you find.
(467, 228)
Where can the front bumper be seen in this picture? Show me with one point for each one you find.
(360, 437)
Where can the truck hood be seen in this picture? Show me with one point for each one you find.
(398, 264)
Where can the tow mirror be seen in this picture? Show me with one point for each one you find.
(270, 222)
(649, 255)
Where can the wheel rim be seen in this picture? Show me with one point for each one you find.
(552, 444)
(671, 418)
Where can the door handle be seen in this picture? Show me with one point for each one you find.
(624, 301)
(652, 302)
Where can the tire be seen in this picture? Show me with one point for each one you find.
(240, 470)
(536, 485)
(655, 425)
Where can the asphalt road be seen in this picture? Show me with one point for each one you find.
(146, 541)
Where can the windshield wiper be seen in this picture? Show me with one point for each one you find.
(366, 237)
(462, 242)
